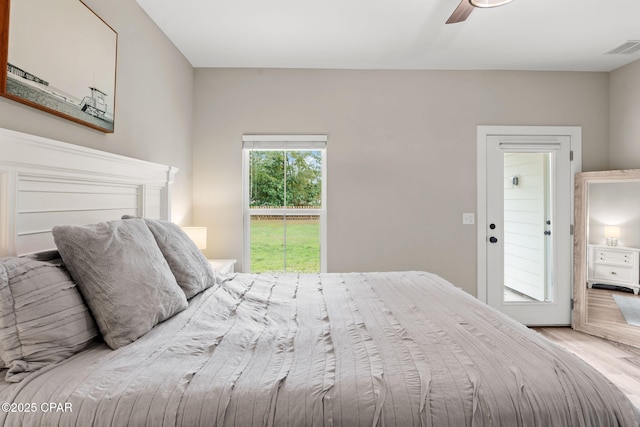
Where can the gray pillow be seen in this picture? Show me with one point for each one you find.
(189, 266)
(122, 276)
(43, 319)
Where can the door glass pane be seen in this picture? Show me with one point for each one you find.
(303, 244)
(304, 179)
(266, 179)
(528, 269)
(267, 243)
(289, 184)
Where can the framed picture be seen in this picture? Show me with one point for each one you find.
(60, 57)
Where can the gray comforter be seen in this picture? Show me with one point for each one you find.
(393, 349)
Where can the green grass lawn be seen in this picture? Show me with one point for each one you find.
(303, 246)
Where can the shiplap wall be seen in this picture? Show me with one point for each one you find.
(44, 183)
(525, 212)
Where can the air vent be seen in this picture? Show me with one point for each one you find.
(626, 48)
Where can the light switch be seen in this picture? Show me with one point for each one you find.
(468, 218)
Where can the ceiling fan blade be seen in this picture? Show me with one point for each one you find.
(461, 13)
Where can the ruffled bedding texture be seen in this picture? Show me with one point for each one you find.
(392, 349)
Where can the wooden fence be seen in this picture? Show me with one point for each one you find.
(290, 217)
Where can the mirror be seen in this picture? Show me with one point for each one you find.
(607, 255)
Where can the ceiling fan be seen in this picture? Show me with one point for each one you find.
(465, 8)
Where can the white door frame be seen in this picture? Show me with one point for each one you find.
(573, 132)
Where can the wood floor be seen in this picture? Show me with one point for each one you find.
(618, 362)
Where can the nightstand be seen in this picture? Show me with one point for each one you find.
(613, 265)
(223, 266)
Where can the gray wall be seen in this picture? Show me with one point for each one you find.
(619, 204)
(401, 152)
(154, 101)
(624, 117)
(614, 203)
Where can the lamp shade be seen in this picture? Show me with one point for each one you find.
(198, 235)
(611, 232)
(488, 3)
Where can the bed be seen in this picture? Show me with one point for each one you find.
(171, 343)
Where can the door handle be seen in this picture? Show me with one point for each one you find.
(493, 239)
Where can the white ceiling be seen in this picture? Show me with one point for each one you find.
(399, 34)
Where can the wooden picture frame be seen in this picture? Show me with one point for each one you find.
(595, 311)
(60, 57)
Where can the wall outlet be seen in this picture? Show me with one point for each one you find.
(468, 218)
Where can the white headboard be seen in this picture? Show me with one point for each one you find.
(44, 183)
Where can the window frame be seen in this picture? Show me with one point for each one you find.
(282, 143)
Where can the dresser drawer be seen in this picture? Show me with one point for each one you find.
(614, 257)
(616, 273)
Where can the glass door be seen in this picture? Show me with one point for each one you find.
(284, 207)
(529, 217)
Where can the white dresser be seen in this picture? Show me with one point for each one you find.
(615, 266)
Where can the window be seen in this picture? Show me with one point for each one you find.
(284, 203)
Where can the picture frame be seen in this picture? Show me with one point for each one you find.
(60, 57)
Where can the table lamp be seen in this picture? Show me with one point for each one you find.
(198, 235)
(612, 234)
